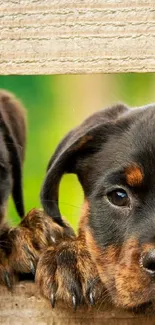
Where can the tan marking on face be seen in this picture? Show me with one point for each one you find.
(104, 259)
(134, 175)
(131, 282)
(120, 271)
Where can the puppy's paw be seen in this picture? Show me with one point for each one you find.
(66, 272)
(33, 235)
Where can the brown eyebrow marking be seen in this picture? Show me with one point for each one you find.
(134, 175)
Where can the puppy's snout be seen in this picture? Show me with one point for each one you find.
(148, 262)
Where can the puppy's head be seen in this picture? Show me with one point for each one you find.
(113, 154)
(12, 150)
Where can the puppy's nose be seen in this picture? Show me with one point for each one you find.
(148, 262)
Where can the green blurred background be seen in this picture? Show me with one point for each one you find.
(55, 104)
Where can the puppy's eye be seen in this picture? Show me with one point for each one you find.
(119, 197)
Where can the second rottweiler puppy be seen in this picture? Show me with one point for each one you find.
(113, 154)
(12, 151)
(20, 247)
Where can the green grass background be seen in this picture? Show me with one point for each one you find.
(54, 105)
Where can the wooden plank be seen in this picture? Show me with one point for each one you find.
(76, 36)
(25, 306)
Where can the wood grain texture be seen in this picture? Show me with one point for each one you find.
(76, 36)
(25, 306)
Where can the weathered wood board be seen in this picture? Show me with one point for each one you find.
(76, 36)
(25, 306)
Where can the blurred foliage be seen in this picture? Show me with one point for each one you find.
(54, 105)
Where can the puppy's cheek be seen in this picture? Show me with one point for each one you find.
(131, 282)
(104, 259)
(120, 271)
(132, 287)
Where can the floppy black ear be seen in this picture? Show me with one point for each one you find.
(12, 124)
(79, 143)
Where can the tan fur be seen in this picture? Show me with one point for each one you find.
(120, 271)
(134, 175)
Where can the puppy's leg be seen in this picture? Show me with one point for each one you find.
(67, 272)
(21, 247)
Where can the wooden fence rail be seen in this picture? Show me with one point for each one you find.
(25, 306)
(76, 36)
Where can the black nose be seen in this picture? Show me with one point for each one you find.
(148, 262)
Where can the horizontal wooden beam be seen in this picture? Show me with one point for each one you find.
(76, 36)
(25, 306)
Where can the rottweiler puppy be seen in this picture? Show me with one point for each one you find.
(12, 151)
(113, 256)
(21, 246)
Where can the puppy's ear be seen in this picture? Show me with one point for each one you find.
(13, 125)
(72, 151)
